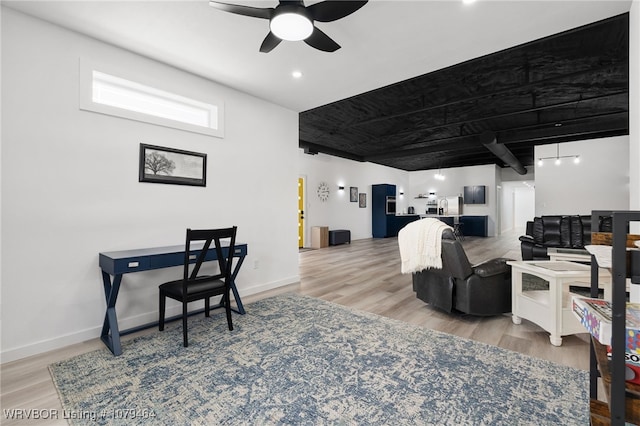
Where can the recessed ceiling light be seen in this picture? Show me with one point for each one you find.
(296, 74)
(468, 1)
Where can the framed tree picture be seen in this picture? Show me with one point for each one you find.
(173, 166)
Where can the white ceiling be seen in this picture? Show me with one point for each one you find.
(384, 42)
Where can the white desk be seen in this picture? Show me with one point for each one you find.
(550, 309)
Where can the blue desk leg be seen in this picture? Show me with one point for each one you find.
(110, 320)
(234, 289)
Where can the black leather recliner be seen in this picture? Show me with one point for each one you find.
(484, 289)
(572, 232)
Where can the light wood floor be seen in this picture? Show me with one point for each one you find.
(364, 275)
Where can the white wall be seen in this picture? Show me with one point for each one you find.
(599, 182)
(70, 189)
(338, 212)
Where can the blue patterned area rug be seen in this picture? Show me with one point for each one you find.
(302, 361)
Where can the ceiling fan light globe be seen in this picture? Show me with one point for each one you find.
(291, 26)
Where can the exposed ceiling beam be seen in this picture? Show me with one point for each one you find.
(489, 140)
(489, 94)
(507, 114)
(614, 122)
(570, 128)
(325, 150)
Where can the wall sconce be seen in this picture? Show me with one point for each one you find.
(557, 158)
(401, 192)
(340, 188)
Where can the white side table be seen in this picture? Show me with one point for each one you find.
(549, 309)
(571, 255)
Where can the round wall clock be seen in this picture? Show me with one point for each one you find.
(323, 191)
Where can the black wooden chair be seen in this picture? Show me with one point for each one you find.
(195, 286)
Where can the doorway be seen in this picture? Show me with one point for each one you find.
(300, 212)
(517, 205)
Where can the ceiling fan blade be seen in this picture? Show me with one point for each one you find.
(321, 41)
(269, 43)
(254, 12)
(328, 11)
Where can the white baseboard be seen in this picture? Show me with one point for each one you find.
(248, 291)
(124, 324)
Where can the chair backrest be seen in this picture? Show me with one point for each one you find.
(212, 242)
(454, 259)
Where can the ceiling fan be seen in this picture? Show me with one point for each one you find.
(293, 21)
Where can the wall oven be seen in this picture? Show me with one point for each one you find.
(391, 205)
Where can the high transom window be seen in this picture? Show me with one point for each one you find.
(114, 95)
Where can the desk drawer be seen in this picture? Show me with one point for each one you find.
(241, 250)
(167, 260)
(177, 259)
(131, 264)
(211, 255)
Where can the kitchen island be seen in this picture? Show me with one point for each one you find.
(470, 226)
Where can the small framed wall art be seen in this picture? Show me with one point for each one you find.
(362, 200)
(353, 194)
(173, 166)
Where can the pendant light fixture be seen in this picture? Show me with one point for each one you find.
(558, 158)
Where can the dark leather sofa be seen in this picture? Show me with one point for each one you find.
(483, 290)
(572, 232)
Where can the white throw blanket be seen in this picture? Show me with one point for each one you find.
(420, 245)
(602, 254)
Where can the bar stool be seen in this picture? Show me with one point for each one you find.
(457, 229)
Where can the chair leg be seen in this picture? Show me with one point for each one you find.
(207, 306)
(227, 306)
(162, 304)
(184, 324)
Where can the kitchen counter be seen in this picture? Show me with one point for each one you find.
(469, 225)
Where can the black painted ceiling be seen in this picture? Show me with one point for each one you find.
(566, 87)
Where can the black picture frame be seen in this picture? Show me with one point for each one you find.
(362, 200)
(353, 194)
(159, 164)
